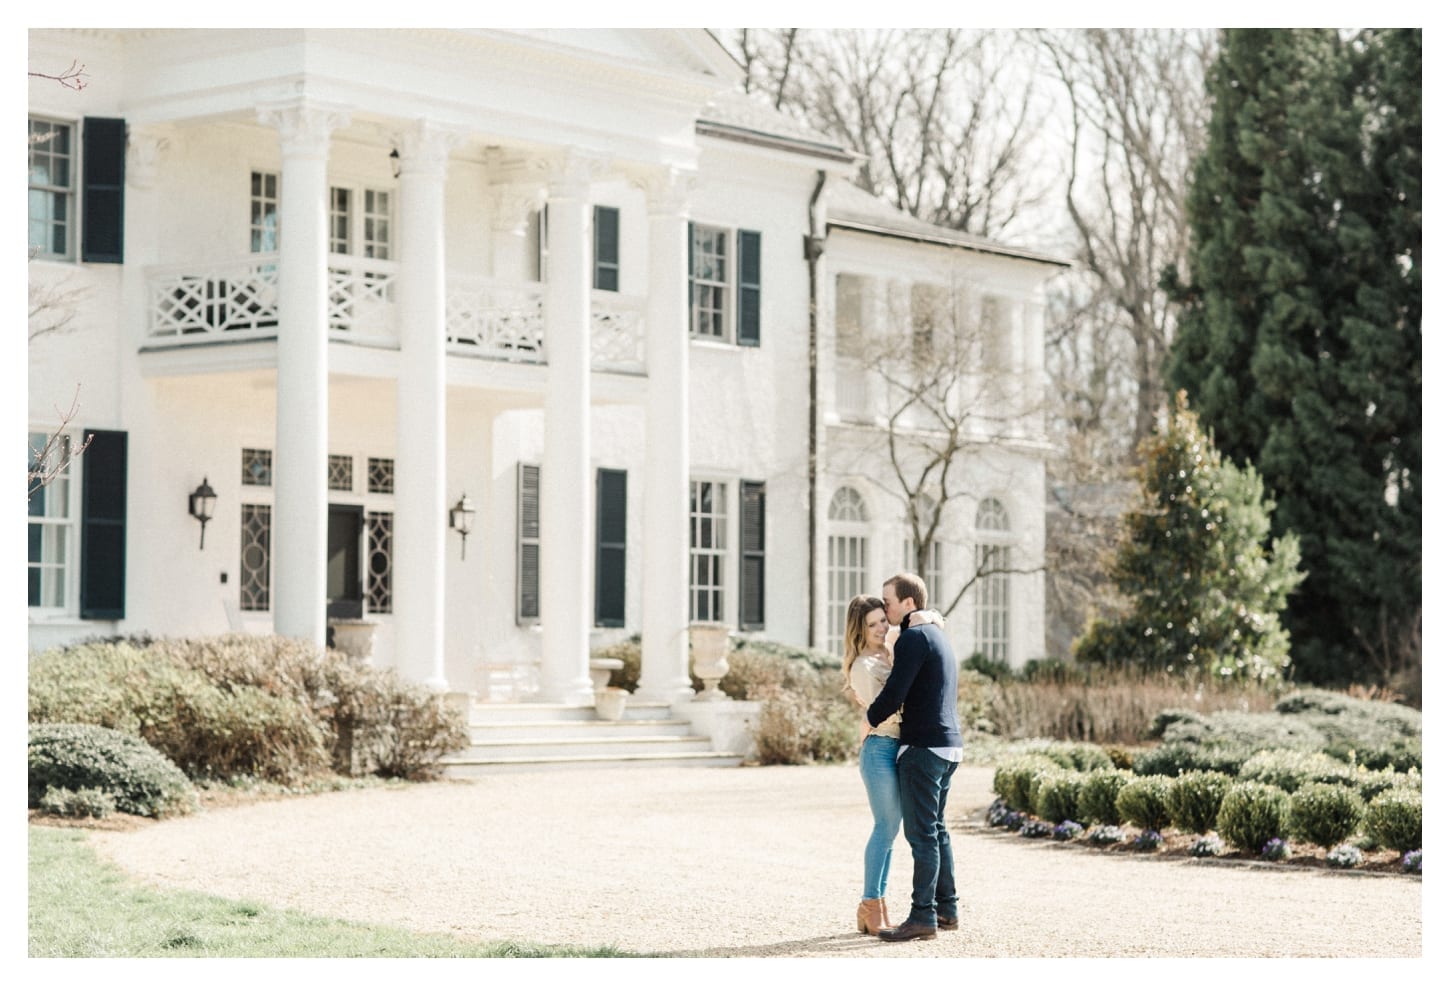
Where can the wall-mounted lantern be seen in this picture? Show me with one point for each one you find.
(201, 504)
(460, 519)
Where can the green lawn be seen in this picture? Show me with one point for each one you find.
(81, 907)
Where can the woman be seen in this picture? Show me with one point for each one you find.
(866, 665)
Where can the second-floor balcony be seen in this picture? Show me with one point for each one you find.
(484, 318)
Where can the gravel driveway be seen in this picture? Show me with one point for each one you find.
(758, 861)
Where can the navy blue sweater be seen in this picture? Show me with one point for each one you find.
(923, 685)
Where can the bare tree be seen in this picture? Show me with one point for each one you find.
(943, 118)
(940, 380)
(1138, 114)
(74, 77)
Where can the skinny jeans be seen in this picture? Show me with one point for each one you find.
(878, 772)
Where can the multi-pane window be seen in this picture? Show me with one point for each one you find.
(255, 563)
(377, 241)
(52, 529)
(709, 280)
(380, 475)
(264, 217)
(527, 608)
(707, 550)
(606, 248)
(847, 557)
(752, 555)
(339, 221)
(360, 223)
(992, 596)
(339, 472)
(52, 189)
(931, 574)
(256, 467)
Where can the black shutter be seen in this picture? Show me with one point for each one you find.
(609, 548)
(747, 304)
(103, 189)
(752, 556)
(606, 248)
(103, 526)
(528, 574)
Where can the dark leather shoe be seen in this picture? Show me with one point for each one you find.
(908, 931)
(946, 924)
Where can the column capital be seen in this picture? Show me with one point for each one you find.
(569, 173)
(512, 203)
(667, 191)
(304, 125)
(423, 148)
(144, 147)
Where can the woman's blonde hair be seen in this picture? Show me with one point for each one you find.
(855, 637)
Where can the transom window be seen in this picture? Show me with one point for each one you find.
(52, 189)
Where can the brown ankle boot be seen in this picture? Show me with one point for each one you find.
(871, 916)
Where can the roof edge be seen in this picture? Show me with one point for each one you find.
(946, 240)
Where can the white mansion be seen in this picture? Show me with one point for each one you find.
(501, 344)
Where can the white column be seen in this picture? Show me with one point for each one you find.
(565, 500)
(421, 522)
(665, 615)
(299, 518)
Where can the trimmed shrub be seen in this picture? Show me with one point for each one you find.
(1143, 801)
(1169, 717)
(1098, 797)
(1251, 814)
(76, 756)
(1394, 819)
(817, 725)
(1056, 797)
(1173, 759)
(88, 802)
(1013, 779)
(1070, 755)
(1375, 782)
(1292, 769)
(1194, 799)
(406, 729)
(1253, 730)
(1325, 814)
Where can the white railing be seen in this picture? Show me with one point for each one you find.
(496, 320)
(196, 303)
(617, 337)
(484, 318)
(360, 302)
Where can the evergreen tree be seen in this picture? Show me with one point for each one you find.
(1299, 340)
(1200, 589)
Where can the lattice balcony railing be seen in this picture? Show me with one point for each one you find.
(496, 320)
(201, 302)
(360, 298)
(617, 343)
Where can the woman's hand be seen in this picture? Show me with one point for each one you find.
(922, 617)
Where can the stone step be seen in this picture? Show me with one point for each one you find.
(568, 746)
(484, 731)
(480, 713)
(483, 766)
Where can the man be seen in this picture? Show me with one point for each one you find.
(923, 685)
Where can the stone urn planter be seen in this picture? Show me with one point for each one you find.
(709, 644)
(609, 703)
(354, 638)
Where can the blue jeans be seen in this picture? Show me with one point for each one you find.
(925, 779)
(878, 771)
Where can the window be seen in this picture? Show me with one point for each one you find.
(992, 597)
(52, 526)
(725, 284)
(536, 244)
(930, 316)
(931, 574)
(57, 199)
(256, 467)
(380, 475)
(255, 561)
(76, 558)
(707, 550)
(365, 232)
(609, 547)
(379, 588)
(264, 212)
(527, 611)
(847, 556)
(996, 337)
(850, 316)
(606, 248)
(52, 189)
(339, 473)
(752, 555)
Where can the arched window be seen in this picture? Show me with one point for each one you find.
(992, 600)
(847, 557)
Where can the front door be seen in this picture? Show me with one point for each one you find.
(344, 562)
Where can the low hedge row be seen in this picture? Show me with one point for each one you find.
(76, 768)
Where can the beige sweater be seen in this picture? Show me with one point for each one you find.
(868, 674)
